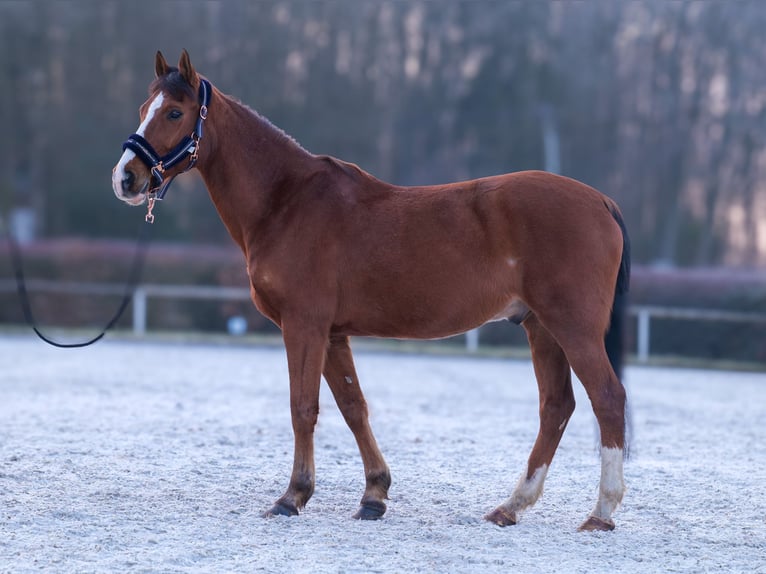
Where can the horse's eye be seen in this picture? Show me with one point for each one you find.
(174, 114)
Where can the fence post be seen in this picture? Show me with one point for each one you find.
(139, 311)
(644, 333)
(472, 340)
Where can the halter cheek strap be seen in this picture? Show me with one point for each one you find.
(189, 145)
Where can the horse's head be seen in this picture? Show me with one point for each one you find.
(166, 143)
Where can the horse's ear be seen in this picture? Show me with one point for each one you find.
(187, 70)
(160, 65)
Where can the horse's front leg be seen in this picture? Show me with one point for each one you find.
(306, 347)
(341, 376)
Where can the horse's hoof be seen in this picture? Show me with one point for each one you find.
(502, 517)
(372, 510)
(281, 509)
(594, 523)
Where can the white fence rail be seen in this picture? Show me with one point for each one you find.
(141, 294)
(643, 313)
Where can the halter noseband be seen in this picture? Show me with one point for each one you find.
(159, 164)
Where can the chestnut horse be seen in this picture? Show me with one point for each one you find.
(333, 252)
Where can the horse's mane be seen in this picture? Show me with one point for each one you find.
(266, 122)
(174, 84)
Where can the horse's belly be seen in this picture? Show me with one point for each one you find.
(437, 297)
(429, 321)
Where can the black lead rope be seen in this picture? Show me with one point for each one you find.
(134, 277)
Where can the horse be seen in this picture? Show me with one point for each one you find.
(332, 253)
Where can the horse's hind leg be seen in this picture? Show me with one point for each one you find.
(341, 376)
(557, 403)
(590, 363)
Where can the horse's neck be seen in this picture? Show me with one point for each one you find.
(248, 163)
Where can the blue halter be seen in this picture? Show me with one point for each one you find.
(189, 145)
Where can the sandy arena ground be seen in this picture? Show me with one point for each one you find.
(131, 457)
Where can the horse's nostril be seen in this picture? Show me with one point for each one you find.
(128, 180)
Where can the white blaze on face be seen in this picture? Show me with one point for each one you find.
(118, 174)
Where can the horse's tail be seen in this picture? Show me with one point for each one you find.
(623, 277)
(614, 339)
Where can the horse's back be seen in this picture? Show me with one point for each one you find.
(527, 215)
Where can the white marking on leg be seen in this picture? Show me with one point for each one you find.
(563, 424)
(527, 491)
(349, 380)
(612, 486)
(118, 173)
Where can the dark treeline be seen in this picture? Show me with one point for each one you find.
(661, 105)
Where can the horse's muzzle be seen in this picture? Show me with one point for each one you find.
(127, 187)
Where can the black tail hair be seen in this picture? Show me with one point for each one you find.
(623, 277)
(614, 339)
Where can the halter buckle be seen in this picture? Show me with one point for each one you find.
(158, 172)
(194, 150)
